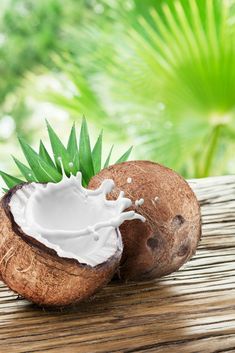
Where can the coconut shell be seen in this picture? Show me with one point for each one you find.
(172, 230)
(37, 273)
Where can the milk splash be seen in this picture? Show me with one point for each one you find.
(76, 222)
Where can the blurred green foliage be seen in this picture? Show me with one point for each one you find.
(29, 32)
(159, 74)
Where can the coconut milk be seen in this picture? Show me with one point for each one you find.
(74, 221)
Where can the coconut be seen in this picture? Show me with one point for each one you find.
(60, 243)
(172, 230)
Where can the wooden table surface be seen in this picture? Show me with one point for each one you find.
(192, 310)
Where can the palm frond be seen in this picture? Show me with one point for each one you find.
(70, 159)
(43, 171)
(61, 155)
(25, 171)
(180, 55)
(97, 153)
(9, 180)
(106, 164)
(85, 156)
(72, 148)
(43, 153)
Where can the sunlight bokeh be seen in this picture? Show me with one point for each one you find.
(159, 75)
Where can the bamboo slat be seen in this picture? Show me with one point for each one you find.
(190, 311)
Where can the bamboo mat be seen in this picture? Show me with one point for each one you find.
(190, 311)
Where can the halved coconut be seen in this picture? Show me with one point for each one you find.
(172, 230)
(60, 243)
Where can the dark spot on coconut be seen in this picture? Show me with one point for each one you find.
(183, 250)
(152, 243)
(177, 221)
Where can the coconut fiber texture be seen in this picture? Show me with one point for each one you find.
(38, 273)
(172, 230)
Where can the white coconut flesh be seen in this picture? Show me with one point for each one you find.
(75, 222)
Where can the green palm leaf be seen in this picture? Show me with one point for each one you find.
(85, 155)
(25, 171)
(43, 171)
(9, 180)
(97, 153)
(179, 55)
(61, 155)
(125, 156)
(106, 164)
(41, 167)
(72, 148)
(43, 153)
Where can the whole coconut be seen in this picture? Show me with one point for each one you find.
(172, 230)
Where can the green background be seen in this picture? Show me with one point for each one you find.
(159, 75)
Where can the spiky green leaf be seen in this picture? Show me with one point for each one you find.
(9, 180)
(97, 153)
(43, 171)
(125, 156)
(61, 155)
(85, 156)
(25, 171)
(43, 153)
(72, 148)
(106, 164)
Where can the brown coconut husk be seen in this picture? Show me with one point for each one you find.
(38, 274)
(172, 230)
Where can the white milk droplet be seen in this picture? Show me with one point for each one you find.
(129, 180)
(71, 164)
(139, 202)
(156, 198)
